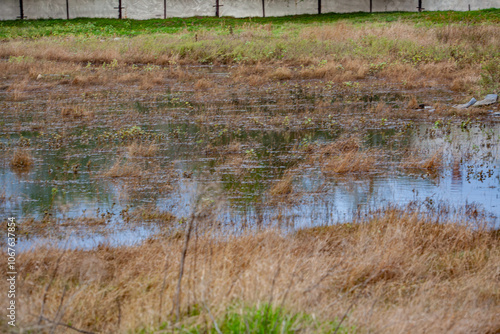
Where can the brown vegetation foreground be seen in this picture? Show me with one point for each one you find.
(394, 273)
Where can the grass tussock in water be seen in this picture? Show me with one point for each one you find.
(142, 149)
(387, 274)
(344, 156)
(22, 160)
(418, 161)
(282, 187)
(125, 170)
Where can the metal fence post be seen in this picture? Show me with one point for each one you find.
(319, 6)
(119, 9)
(263, 8)
(420, 6)
(67, 9)
(21, 10)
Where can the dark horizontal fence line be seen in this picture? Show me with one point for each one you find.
(217, 5)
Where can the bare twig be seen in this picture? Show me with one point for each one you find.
(119, 313)
(212, 318)
(292, 277)
(322, 278)
(361, 285)
(181, 269)
(67, 326)
(163, 287)
(57, 318)
(47, 287)
(276, 274)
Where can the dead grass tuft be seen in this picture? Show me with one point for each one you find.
(22, 160)
(119, 170)
(344, 156)
(351, 162)
(282, 187)
(76, 112)
(281, 73)
(412, 103)
(203, 84)
(344, 144)
(418, 161)
(142, 149)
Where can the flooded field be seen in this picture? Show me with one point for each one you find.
(112, 167)
(308, 174)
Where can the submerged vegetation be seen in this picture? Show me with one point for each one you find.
(328, 154)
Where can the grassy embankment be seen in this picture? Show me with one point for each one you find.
(396, 272)
(457, 50)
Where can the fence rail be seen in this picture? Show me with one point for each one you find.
(147, 9)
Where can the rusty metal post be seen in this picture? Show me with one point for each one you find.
(164, 9)
(67, 9)
(21, 10)
(263, 8)
(371, 6)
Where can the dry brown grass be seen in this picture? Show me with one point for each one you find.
(127, 169)
(76, 112)
(282, 187)
(281, 73)
(412, 103)
(409, 52)
(395, 273)
(142, 149)
(344, 156)
(419, 161)
(203, 84)
(351, 162)
(22, 160)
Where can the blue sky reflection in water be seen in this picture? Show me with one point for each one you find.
(469, 181)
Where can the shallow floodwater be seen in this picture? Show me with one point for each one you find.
(67, 180)
(53, 186)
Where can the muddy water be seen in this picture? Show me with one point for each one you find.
(194, 160)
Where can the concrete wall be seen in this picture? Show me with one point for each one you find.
(145, 9)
